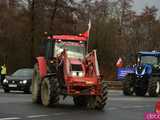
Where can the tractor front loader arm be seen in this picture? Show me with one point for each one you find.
(92, 67)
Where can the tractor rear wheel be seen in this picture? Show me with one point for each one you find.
(36, 80)
(153, 87)
(128, 87)
(50, 91)
(80, 101)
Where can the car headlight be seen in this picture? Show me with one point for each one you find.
(21, 82)
(5, 81)
(74, 74)
(24, 81)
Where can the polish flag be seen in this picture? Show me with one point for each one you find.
(119, 63)
(86, 34)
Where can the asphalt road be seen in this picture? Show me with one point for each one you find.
(18, 106)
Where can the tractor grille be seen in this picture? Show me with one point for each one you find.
(83, 90)
(140, 69)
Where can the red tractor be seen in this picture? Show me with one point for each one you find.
(67, 69)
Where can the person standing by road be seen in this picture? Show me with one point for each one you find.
(3, 73)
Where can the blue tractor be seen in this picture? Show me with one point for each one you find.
(146, 75)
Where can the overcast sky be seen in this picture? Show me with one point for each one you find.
(139, 5)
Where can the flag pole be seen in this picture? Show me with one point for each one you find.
(89, 27)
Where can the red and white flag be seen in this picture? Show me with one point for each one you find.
(119, 63)
(86, 34)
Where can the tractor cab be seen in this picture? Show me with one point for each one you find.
(148, 63)
(73, 49)
(152, 58)
(75, 46)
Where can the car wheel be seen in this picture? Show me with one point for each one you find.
(30, 89)
(6, 90)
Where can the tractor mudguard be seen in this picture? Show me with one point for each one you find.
(42, 66)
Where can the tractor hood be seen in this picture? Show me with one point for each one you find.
(75, 61)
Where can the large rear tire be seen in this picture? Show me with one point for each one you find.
(50, 91)
(128, 87)
(36, 81)
(153, 87)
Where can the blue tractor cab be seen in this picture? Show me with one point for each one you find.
(148, 63)
(146, 75)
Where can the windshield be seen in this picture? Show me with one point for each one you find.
(149, 60)
(23, 72)
(74, 50)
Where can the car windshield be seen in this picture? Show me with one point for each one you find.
(23, 72)
(149, 60)
(74, 50)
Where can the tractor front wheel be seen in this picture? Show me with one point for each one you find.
(128, 88)
(141, 90)
(101, 100)
(153, 87)
(98, 102)
(80, 101)
(49, 91)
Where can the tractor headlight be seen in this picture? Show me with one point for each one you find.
(77, 73)
(81, 74)
(74, 74)
(24, 81)
(143, 72)
(89, 82)
(5, 81)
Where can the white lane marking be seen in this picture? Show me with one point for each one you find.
(132, 107)
(138, 106)
(112, 108)
(58, 113)
(126, 107)
(36, 116)
(133, 99)
(10, 118)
